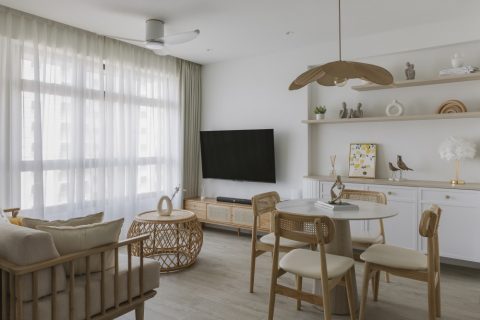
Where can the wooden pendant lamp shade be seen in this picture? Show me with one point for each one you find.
(338, 72)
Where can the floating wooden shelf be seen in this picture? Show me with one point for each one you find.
(415, 83)
(443, 116)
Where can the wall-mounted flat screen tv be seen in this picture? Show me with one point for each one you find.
(246, 155)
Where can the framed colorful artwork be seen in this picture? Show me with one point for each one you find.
(362, 160)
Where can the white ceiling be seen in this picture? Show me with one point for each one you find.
(232, 29)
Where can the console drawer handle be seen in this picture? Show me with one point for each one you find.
(447, 197)
(389, 193)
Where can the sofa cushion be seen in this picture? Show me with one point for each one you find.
(151, 273)
(34, 223)
(74, 239)
(24, 246)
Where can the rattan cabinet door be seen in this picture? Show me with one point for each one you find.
(219, 213)
(199, 208)
(242, 216)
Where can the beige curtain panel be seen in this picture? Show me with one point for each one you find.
(191, 103)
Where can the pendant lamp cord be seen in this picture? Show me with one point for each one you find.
(339, 30)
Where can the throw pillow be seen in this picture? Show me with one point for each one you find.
(80, 221)
(79, 238)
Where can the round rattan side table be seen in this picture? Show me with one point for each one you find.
(175, 240)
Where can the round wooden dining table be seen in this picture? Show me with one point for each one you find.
(342, 242)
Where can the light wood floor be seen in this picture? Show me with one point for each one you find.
(216, 288)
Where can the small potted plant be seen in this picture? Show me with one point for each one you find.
(320, 112)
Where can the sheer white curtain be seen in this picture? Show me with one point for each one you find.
(143, 134)
(86, 123)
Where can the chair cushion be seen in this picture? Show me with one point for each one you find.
(151, 273)
(365, 237)
(306, 263)
(25, 246)
(79, 238)
(395, 257)
(270, 239)
(34, 223)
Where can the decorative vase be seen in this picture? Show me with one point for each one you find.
(164, 212)
(394, 109)
(457, 61)
(320, 116)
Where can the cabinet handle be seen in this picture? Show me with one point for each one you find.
(447, 197)
(389, 193)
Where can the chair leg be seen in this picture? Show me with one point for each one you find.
(377, 284)
(252, 270)
(139, 311)
(299, 291)
(431, 300)
(327, 307)
(351, 297)
(271, 304)
(438, 299)
(366, 280)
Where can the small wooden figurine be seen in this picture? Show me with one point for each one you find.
(344, 111)
(410, 71)
(336, 198)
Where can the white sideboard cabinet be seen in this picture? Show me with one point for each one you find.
(459, 225)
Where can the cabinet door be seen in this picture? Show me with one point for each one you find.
(402, 229)
(459, 222)
(218, 213)
(197, 207)
(311, 189)
(242, 216)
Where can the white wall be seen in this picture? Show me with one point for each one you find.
(417, 141)
(252, 93)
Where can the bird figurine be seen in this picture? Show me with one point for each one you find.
(394, 170)
(401, 165)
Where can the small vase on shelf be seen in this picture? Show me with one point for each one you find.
(320, 116)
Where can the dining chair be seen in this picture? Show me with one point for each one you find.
(262, 204)
(363, 240)
(408, 263)
(331, 270)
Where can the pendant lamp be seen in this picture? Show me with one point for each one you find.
(337, 73)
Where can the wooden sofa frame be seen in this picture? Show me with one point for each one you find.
(11, 302)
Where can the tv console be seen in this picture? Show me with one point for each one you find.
(228, 214)
(234, 200)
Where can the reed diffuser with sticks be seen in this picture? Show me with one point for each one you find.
(333, 171)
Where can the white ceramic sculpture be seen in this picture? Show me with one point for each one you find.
(164, 212)
(394, 109)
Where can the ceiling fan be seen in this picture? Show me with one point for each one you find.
(157, 41)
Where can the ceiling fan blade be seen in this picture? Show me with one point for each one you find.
(161, 52)
(179, 37)
(129, 39)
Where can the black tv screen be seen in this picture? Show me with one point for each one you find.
(246, 155)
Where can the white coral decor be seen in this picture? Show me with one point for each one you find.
(454, 148)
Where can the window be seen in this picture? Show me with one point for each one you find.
(84, 128)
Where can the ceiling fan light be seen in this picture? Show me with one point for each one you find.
(154, 45)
